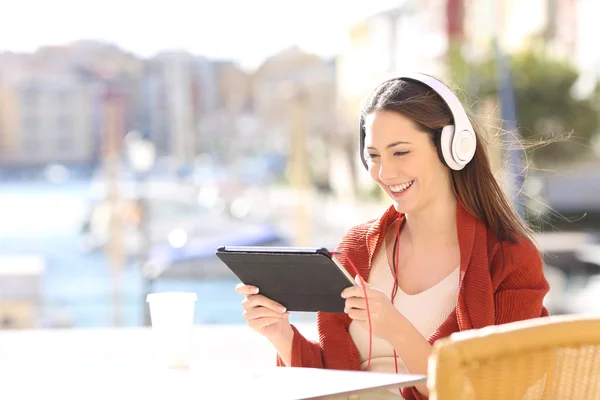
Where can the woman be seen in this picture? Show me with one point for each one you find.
(450, 253)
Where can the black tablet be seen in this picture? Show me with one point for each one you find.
(301, 279)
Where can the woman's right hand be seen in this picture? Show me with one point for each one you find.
(264, 315)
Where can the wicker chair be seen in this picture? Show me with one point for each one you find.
(555, 357)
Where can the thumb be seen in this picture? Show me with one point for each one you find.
(360, 281)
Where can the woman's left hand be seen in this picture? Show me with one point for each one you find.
(384, 316)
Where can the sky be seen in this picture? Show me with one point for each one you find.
(247, 30)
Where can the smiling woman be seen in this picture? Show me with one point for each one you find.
(407, 127)
(449, 255)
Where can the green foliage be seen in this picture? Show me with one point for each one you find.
(545, 108)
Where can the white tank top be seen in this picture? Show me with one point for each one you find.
(426, 311)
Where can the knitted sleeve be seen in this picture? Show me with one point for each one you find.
(521, 291)
(334, 350)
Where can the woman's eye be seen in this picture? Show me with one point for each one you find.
(373, 155)
(401, 153)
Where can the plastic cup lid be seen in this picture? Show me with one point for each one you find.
(168, 296)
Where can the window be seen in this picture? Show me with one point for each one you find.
(30, 124)
(30, 95)
(30, 144)
(62, 97)
(62, 123)
(64, 144)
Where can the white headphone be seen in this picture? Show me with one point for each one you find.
(457, 141)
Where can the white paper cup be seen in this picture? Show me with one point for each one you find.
(172, 316)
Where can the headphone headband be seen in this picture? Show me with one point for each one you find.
(461, 120)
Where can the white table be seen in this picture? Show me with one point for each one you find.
(133, 381)
(221, 344)
(228, 363)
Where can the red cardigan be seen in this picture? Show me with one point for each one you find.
(514, 290)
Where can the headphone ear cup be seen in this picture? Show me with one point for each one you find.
(464, 145)
(446, 139)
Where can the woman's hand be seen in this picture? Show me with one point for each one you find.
(264, 315)
(384, 316)
(387, 322)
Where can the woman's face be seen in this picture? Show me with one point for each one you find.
(404, 162)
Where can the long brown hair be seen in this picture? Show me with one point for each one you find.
(475, 186)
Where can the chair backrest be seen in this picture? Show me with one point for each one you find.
(555, 357)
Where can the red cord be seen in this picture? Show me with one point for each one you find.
(394, 287)
(364, 286)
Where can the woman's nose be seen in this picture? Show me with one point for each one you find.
(387, 171)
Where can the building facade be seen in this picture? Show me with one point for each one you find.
(47, 119)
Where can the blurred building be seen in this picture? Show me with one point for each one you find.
(188, 103)
(177, 74)
(587, 51)
(46, 119)
(294, 75)
(207, 86)
(8, 122)
(21, 278)
(152, 114)
(54, 102)
(13, 66)
(226, 120)
(411, 37)
(418, 35)
(234, 88)
(519, 24)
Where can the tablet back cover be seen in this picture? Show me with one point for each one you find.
(302, 282)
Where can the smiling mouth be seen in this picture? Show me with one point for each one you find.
(401, 188)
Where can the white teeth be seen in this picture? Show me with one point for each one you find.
(401, 188)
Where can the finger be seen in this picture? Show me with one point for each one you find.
(262, 323)
(263, 301)
(258, 300)
(246, 303)
(358, 315)
(353, 291)
(356, 303)
(262, 312)
(245, 290)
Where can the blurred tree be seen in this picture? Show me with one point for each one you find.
(546, 108)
